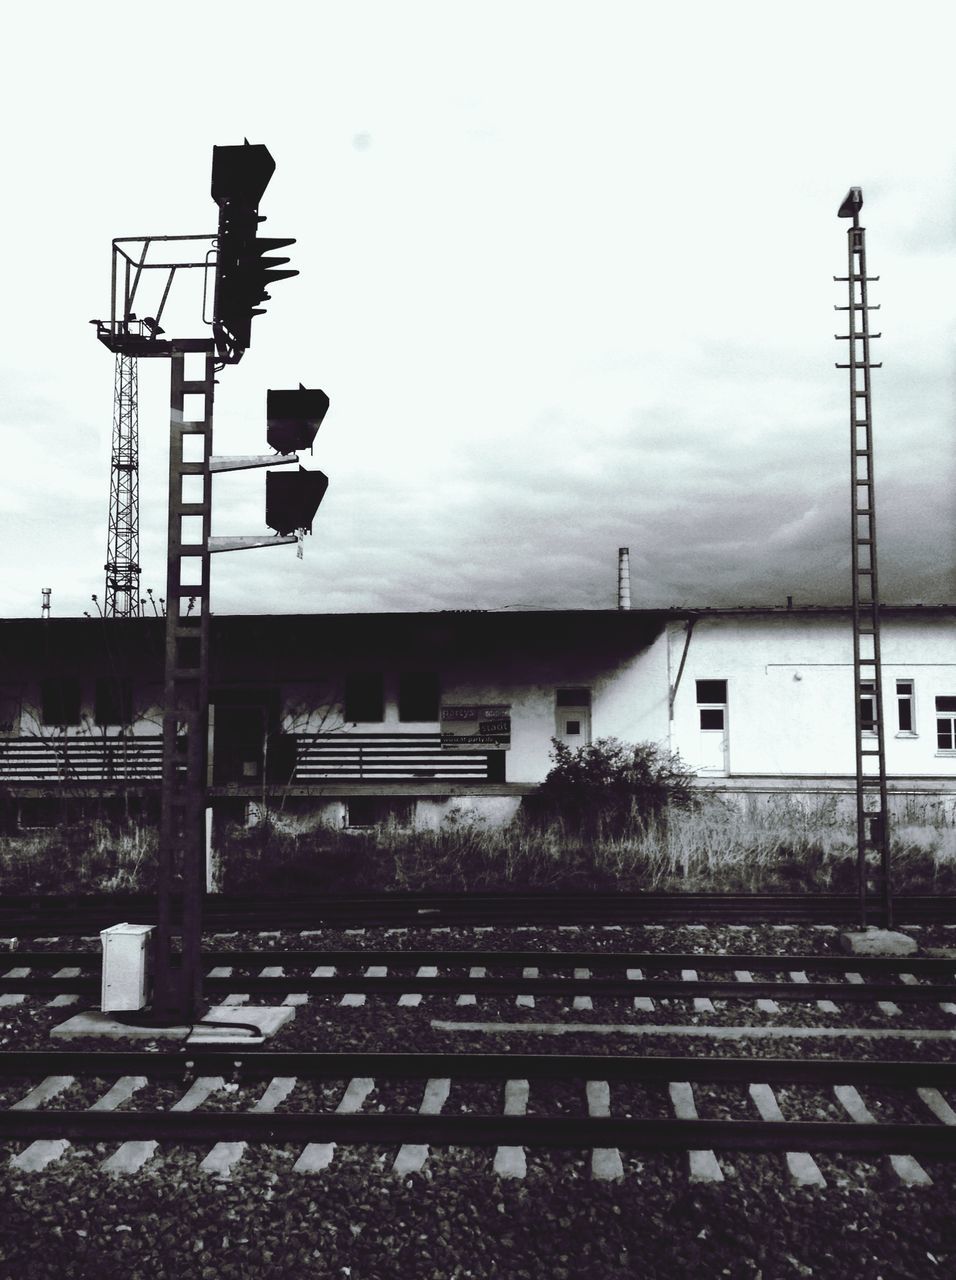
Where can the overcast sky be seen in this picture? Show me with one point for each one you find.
(566, 276)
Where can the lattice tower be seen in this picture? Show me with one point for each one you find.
(122, 553)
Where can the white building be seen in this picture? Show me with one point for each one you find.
(355, 717)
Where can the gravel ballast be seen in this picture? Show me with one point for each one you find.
(457, 1219)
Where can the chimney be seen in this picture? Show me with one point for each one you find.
(623, 578)
(45, 607)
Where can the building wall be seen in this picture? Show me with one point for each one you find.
(628, 697)
(790, 692)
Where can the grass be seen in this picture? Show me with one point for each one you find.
(787, 846)
(84, 857)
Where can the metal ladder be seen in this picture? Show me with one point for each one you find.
(185, 718)
(873, 837)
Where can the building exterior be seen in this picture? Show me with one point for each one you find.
(355, 719)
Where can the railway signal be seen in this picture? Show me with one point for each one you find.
(292, 499)
(294, 417)
(244, 269)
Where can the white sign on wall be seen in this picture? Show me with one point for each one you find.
(465, 728)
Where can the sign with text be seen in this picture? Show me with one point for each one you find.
(469, 728)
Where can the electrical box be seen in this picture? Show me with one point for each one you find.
(125, 963)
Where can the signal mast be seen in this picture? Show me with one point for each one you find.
(872, 817)
(242, 273)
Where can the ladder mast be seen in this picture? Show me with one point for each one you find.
(873, 837)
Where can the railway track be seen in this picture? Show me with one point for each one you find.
(594, 975)
(662, 1087)
(51, 914)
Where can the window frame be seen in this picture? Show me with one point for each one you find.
(947, 716)
(906, 698)
(573, 698)
(711, 706)
(868, 723)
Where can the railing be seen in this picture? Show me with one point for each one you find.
(383, 756)
(78, 760)
(317, 758)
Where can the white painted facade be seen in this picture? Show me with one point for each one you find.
(789, 676)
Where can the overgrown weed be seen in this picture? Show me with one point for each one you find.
(789, 845)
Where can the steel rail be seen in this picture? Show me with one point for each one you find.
(78, 914)
(482, 1131)
(238, 1064)
(544, 958)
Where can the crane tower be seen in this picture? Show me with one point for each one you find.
(122, 552)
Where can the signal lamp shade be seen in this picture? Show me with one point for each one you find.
(294, 417)
(292, 499)
(852, 203)
(241, 173)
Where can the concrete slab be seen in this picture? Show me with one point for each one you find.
(43, 1092)
(877, 942)
(938, 1105)
(130, 1157)
(39, 1154)
(94, 1023)
(510, 1162)
(476, 971)
(268, 1018)
(318, 1155)
(606, 1163)
(582, 1002)
(644, 1003)
(703, 1165)
(909, 1171)
(804, 1170)
(412, 1155)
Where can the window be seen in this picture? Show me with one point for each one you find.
(372, 811)
(946, 723)
(60, 700)
(904, 706)
(868, 706)
(364, 696)
(712, 691)
(418, 695)
(711, 717)
(574, 697)
(572, 715)
(113, 702)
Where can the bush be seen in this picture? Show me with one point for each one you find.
(610, 789)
